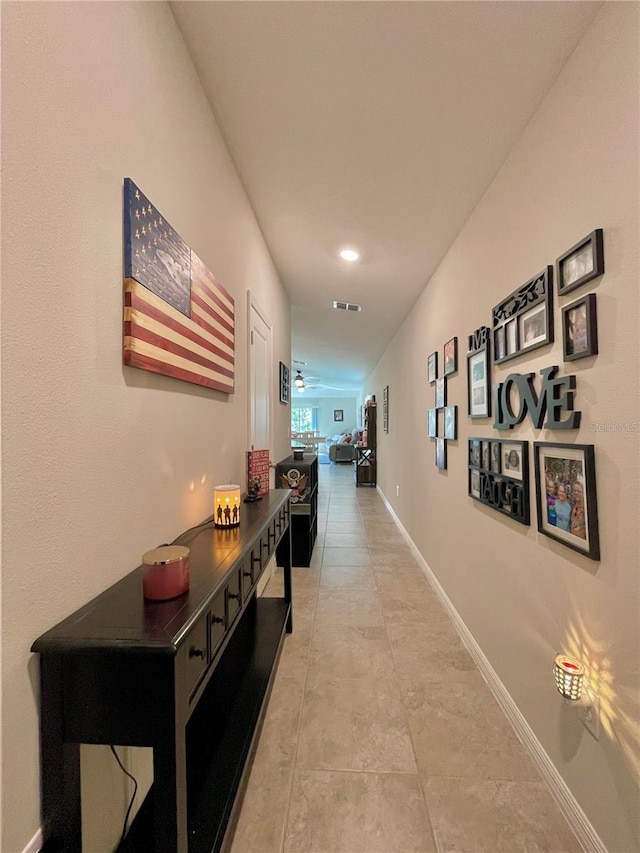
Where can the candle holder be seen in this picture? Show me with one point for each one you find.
(165, 572)
(226, 505)
(569, 675)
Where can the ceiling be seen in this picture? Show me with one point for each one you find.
(373, 125)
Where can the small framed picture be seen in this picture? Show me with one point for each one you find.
(474, 452)
(495, 457)
(486, 455)
(441, 393)
(580, 328)
(451, 422)
(474, 483)
(478, 378)
(532, 326)
(432, 423)
(499, 350)
(581, 263)
(451, 356)
(432, 367)
(441, 453)
(338, 414)
(511, 453)
(511, 330)
(284, 383)
(566, 495)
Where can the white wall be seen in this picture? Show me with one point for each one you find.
(101, 462)
(522, 595)
(326, 406)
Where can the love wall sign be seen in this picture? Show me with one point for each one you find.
(554, 401)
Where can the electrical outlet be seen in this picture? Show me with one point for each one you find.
(590, 715)
(397, 491)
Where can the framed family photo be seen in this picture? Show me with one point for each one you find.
(432, 367)
(524, 319)
(581, 263)
(478, 378)
(566, 495)
(338, 415)
(580, 328)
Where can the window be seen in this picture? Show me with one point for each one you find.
(304, 419)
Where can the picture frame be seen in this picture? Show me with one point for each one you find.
(338, 415)
(441, 393)
(441, 454)
(451, 356)
(285, 388)
(478, 374)
(511, 461)
(499, 476)
(451, 422)
(432, 367)
(580, 328)
(432, 423)
(524, 320)
(581, 263)
(566, 495)
(496, 458)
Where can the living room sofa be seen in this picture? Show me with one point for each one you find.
(341, 447)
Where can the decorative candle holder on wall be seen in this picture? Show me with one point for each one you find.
(226, 505)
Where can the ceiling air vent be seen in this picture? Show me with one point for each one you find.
(347, 306)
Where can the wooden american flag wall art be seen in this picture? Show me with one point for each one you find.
(178, 319)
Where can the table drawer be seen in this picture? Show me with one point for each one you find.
(217, 622)
(248, 577)
(194, 656)
(234, 595)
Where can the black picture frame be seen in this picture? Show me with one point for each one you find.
(451, 423)
(432, 423)
(580, 328)
(581, 263)
(385, 409)
(566, 474)
(479, 374)
(441, 454)
(506, 490)
(432, 367)
(450, 356)
(285, 387)
(338, 415)
(530, 308)
(441, 393)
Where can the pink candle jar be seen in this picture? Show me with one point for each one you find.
(165, 572)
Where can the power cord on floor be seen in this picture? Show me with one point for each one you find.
(133, 796)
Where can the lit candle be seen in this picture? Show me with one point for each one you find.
(226, 505)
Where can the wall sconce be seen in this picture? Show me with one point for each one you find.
(226, 505)
(569, 675)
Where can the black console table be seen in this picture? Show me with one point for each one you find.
(188, 677)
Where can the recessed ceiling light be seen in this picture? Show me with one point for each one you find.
(349, 255)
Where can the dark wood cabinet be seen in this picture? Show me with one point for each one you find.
(189, 677)
(367, 454)
(301, 475)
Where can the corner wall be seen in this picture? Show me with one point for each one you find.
(524, 596)
(101, 462)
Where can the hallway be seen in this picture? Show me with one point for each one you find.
(381, 736)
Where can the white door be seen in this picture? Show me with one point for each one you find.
(259, 378)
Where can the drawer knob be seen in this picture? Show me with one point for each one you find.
(196, 653)
(235, 595)
(247, 574)
(217, 620)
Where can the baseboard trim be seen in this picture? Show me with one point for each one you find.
(566, 802)
(35, 845)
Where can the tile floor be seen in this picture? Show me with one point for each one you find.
(381, 736)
